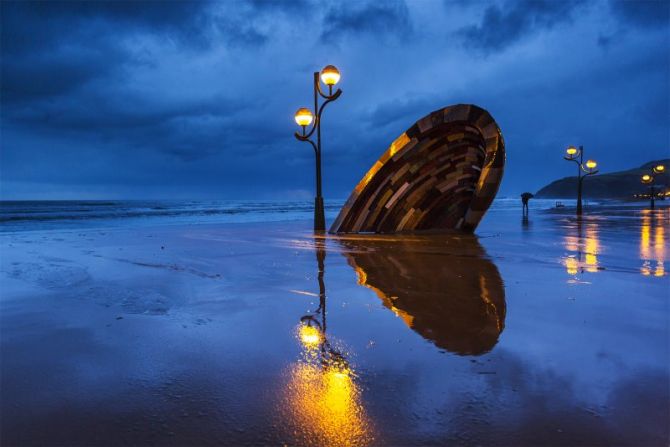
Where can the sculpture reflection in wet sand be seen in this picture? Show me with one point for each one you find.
(442, 173)
(442, 286)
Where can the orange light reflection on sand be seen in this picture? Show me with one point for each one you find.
(592, 248)
(584, 249)
(659, 249)
(571, 265)
(323, 402)
(652, 254)
(310, 336)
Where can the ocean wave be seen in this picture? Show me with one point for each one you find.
(18, 215)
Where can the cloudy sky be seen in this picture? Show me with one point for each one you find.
(170, 99)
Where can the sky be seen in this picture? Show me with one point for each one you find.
(195, 100)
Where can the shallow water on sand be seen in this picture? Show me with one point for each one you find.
(541, 331)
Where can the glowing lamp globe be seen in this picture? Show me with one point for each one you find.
(659, 169)
(304, 117)
(646, 178)
(591, 165)
(571, 151)
(330, 75)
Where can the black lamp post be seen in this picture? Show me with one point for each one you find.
(588, 168)
(650, 179)
(305, 117)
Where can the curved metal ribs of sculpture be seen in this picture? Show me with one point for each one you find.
(442, 173)
(442, 286)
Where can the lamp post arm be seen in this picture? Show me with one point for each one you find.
(317, 88)
(331, 96)
(305, 138)
(581, 179)
(575, 160)
(328, 101)
(312, 128)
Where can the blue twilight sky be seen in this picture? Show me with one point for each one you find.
(171, 99)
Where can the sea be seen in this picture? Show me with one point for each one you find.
(79, 214)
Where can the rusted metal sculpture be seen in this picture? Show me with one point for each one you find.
(441, 174)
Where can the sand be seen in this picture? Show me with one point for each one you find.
(547, 331)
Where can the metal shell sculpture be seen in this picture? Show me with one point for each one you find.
(441, 174)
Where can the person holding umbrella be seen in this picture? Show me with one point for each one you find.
(525, 197)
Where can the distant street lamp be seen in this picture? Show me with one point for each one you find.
(305, 117)
(650, 179)
(588, 168)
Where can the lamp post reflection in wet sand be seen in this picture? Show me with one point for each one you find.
(653, 257)
(584, 245)
(322, 397)
(442, 286)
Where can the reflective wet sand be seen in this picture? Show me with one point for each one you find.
(546, 331)
(444, 287)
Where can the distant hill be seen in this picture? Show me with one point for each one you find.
(613, 185)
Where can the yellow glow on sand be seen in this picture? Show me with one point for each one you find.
(571, 243)
(653, 254)
(324, 407)
(592, 249)
(659, 249)
(645, 237)
(571, 265)
(584, 250)
(310, 336)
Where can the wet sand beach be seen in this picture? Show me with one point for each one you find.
(546, 331)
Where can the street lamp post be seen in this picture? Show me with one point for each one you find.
(650, 179)
(305, 117)
(588, 168)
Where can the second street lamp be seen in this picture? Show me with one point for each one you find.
(583, 170)
(312, 119)
(650, 179)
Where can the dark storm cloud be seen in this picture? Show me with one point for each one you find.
(130, 97)
(57, 71)
(39, 25)
(50, 48)
(402, 110)
(58, 58)
(384, 18)
(186, 130)
(642, 13)
(53, 47)
(293, 6)
(506, 24)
